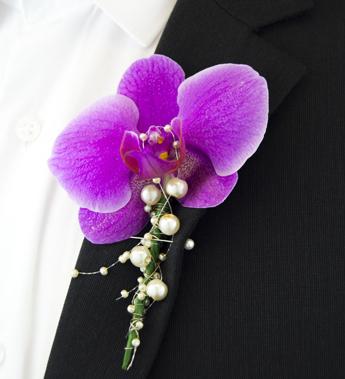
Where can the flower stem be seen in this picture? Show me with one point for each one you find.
(139, 305)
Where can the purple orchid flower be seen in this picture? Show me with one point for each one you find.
(216, 120)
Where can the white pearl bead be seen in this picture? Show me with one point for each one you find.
(141, 295)
(157, 275)
(139, 325)
(140, 279)
(103, 271)
(176, 144)
(189, 244)
(157, 290)
(154, 220)
(126, 254)
(124, 293)
(143, 136)
(167, 128)
(147, 208)
(123, 258)
(139, 255)
(148, 236)
(142, 287)
(150, 194)
(156, 180)
(146, 243)
(176, 187)
(162, 257)
(131, 308)
(75, 273)
(135, 342)
(169, 224)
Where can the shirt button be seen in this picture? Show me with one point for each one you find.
(2, 354)
(28, 129)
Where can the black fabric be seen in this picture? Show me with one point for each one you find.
(262, 296)
(257, 14)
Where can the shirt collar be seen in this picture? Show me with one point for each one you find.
(143, 20)
(38, 10)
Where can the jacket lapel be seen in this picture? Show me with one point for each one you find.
(91, 334)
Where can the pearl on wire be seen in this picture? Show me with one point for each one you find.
(103, 271)
(131, 308)
(135, 342)
(157, 290)
(75, 273)
(154, 220)
(156, 180)
(139, 256)
(124, 294)
(141, 295)
(176, 187)
(150, 194)
(146, 242)
(123, 258)
(147, 208)
(143, 136)
(169, 224)
(139, 325)
(189, 244)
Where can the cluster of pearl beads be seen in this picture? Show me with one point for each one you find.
(168, 223)
(140, 256)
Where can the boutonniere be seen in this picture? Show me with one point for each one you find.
(160, 137)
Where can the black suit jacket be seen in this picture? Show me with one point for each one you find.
(263, 293)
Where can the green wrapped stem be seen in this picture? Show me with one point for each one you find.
(139, 310)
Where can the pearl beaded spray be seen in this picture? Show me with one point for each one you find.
(147, 257)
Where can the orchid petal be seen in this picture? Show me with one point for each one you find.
(224, 111)
(112, 227)
(152, 84)
(86, 156)
(205, 188)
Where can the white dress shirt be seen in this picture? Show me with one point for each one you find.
(56, 57)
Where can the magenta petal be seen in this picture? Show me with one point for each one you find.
(86, 156)
(116, 226)
(152, 84)
(224, 111)
(205, 188)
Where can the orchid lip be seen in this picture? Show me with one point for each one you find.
(155, 153)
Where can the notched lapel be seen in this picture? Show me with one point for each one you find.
(259, 13)
(91, 335)
(201, 33)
